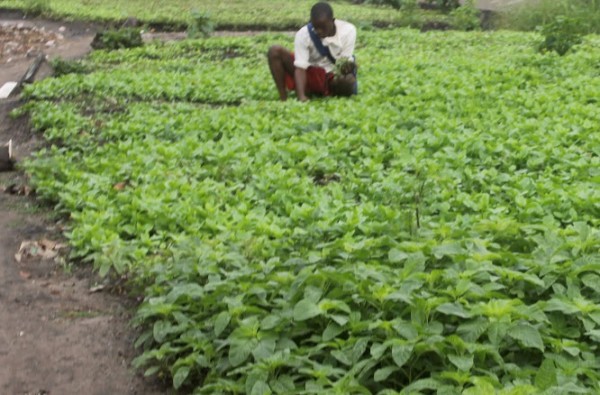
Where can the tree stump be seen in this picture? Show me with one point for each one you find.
(29, 76)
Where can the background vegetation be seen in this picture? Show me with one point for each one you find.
(532, 15)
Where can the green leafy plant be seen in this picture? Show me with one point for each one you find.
(200, 25)
(466, 17)
(36, 7)
(530, 15)
(561, 35)
(62, 67)
(118, 39)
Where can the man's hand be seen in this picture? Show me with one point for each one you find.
(348, 68)
(344, 67)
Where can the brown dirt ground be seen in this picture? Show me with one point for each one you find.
(56, 337)
(73, 42)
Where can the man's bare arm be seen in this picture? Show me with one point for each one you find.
(300, 77)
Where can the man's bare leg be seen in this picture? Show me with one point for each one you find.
(280, 63)
(343, 86)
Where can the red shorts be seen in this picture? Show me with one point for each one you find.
(317, 81)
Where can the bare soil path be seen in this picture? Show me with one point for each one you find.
(56, 337)
(21, 40)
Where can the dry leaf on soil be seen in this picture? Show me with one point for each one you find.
(44, 249)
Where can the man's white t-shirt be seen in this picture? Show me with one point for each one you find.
(341, 45)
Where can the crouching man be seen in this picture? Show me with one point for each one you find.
(323, 59)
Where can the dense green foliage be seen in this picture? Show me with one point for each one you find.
(398, 4)
(200, 25)
(466, 17)
(275, 14)
(533, 14)
(560, 35)
(36, 7)
(118, 39)
(437, 233)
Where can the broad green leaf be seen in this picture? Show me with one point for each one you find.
(359, 349)
(396, 256)
(180, 376)
(422, 384)
(285, 343)
(339, 319)
(482, 385)
(462, 362)
(527, 335)
(306, 309)
(221, 322)
(253, 377)
(460, 378)
(151, 371)
(313, 294)
(202, 361)
(592, 281)
(264, 349)
(342, 357)
(383, 373)
(313, 387)
(270, 322)
(104, 268)
(571, 388)
(453, 309)
(448, 249)
(261, 388)
(161, 330)
(594, 334)
(377, 350)
(405, 329)
(239, 351)
(189, 290)
(471, 331)
(480, 389)
(328, 304)
(401, 353)
(402, 295)
(546, 375)
(594, 315)
(497, 331)
(563, 306)
(573, 351)
(523, 389)
(284, 384)
(332, 331)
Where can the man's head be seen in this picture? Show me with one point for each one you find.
(321, 17)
